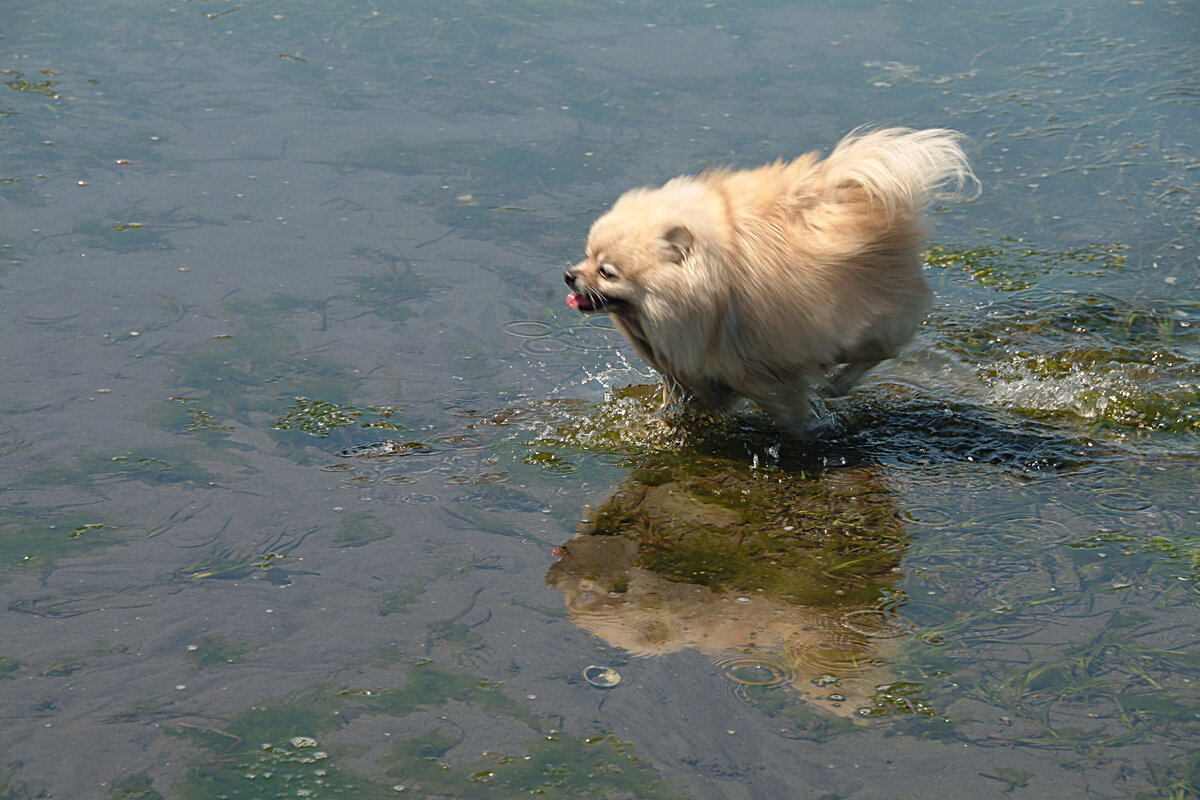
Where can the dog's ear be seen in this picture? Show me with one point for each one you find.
(680, 240)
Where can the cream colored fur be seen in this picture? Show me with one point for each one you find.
(758, 282)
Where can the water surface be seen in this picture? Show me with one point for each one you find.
(294, 417)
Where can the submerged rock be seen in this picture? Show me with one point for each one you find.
(786, 570)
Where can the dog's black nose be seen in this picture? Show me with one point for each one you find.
(569, 277)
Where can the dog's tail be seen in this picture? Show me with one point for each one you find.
(903, 169)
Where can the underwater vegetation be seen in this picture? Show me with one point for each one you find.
(39, 537)
(820, 539)
(257, 368)
(260, 375)
(1123, 368)
(1012, 264)
(139, 228)
(992, 542)
(321, 418)
(782, 578)
(1117, 368)
(297, 747)
(210, 651)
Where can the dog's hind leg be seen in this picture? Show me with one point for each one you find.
(674, 393)
(844, 378)
(787, 403)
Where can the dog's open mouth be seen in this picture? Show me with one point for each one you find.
(590, 301)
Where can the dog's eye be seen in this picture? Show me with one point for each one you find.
(607, 271)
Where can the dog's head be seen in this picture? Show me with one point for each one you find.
(638, 250)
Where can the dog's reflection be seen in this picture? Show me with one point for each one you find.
(779, 579)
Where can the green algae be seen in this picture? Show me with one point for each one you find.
(900, 698)
(317, 417)
(8, 666)
(781, 569)
(464, 645)
(1012, 778)
(388, 293)
(139, 228)
(121, 237)
(563, 437)
(210, 651)
(184, 415)
(1117, 367)
(105, 649)
(221, 566)
(294, 746)
(134, 787)
(1125, 678)
(1178, 778)
(226, 564)
(1012, 264)
(1179, 550)
(261, 369)
(275, 767)
(403, 599)
(151, 466)
(18, 83)
(428, 684)
(553, 765)
(62, 667)
(811, 540)
(796, 720)
(39, 537)
(320, 418)
(358, 529)
(255, 368)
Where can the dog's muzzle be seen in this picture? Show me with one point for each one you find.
(583, 298)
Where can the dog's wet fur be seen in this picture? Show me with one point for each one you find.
(761, 283)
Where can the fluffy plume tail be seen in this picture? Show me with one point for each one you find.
(903, 168)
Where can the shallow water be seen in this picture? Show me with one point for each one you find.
(301, 448)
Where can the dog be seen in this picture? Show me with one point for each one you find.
(762, 283)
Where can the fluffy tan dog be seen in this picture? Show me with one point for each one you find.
(757, 283)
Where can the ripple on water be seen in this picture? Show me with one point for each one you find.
(383, 448)
(528, 329)
(842, 655)
(588, 338)
(463, 397)
(755, 670)
(544, 345)
(356, 481)
(1124, 500)
(926, 515)
(882, 623)
(1018, 527)
(914, 428)
(918, 458)
(460, 441)
(742, 673)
